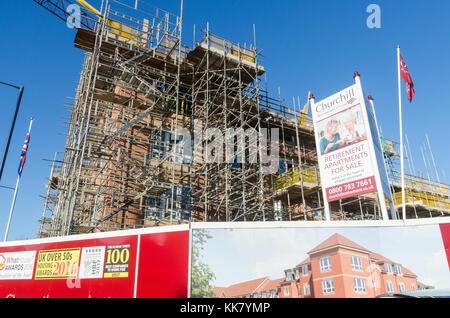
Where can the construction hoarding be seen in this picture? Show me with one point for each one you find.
(331, 261)
(272, 259)
(122, 264)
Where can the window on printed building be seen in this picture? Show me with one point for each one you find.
(263, 295)
(287, 276)
(307, 290)
(356, 263)
(297, 273)
(286, 291)
(398, 269)
(273, 294)
(290, 275)
(325, 264)
(413, 287)
(359, 284)
(305, 270)
(388, 267)
(401, 287)
(299, 291)
(328, 286)
(389, 287)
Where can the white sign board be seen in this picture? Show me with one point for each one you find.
(345, 162)
(17, 265)
(92, 261)
(345, 140)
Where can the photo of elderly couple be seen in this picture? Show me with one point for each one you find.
(341, 130)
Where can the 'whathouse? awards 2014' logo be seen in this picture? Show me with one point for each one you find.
(2, 262)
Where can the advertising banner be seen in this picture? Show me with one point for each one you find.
(271, 260)
(124, 264)
(358, 261)
(57, 264)
(345, 161)
(55, 272)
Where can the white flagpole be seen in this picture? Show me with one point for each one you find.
(15, 195)
(326, 205)
(12, 209)
(401, 137)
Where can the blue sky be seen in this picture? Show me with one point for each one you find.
(307, 45)
(240, 255)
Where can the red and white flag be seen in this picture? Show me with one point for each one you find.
(404, 74)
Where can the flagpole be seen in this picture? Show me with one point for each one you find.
(401, 137)
(15, 195)
(12, 209)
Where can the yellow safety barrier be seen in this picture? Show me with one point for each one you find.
(428, 187)
(425, 199)
(304, 115)
(243, 56)
(121, 29)
(118, 28)
(292, 177)
(303, 118)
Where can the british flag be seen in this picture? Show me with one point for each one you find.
(23, 154)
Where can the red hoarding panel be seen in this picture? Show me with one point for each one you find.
(445, 231)
(163, 265)
(97, 268)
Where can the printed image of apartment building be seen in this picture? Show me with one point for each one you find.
(257, 288)
(336, 268)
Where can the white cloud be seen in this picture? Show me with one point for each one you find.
(436, 270)
(269, 252)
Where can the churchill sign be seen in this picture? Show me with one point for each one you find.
(345, 163)
(345, 145)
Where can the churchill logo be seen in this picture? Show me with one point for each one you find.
(351, 101)
(335, 101)
(2, 262)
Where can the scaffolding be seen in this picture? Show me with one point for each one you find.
(138, 87)
(141, 91)
(424, 197)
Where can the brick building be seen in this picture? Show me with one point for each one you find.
(336, 268)
(257, 288)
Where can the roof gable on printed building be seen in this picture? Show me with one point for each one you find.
(240, 289)
(337, 240)
(248, 288)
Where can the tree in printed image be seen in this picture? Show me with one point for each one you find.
(202, 276)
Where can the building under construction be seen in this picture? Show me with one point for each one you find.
(140, 88)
